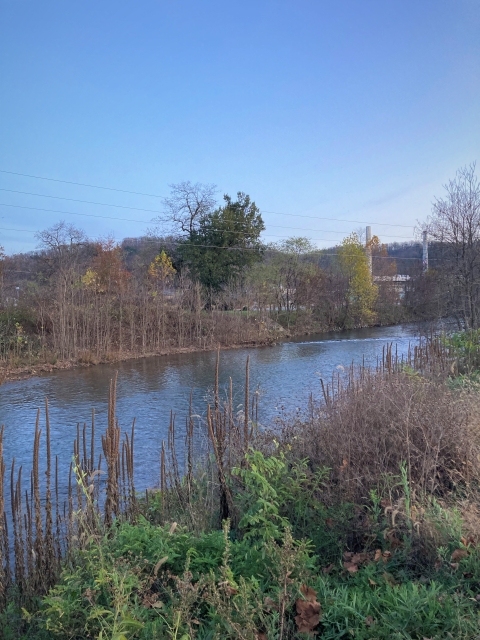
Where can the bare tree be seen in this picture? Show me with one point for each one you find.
(455, 225)
(2, 262)
(62, 246)
(187, 205)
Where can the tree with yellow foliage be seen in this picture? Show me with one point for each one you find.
(361, 293)
(161, 270)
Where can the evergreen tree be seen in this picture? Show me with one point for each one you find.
(225, 244)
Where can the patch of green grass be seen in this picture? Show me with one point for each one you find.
(117, 590)
(395, 578)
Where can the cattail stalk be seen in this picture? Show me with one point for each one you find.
(3, 552)
(38, 544)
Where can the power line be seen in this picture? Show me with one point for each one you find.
(81, 184)
(92, 215)
(152, 195)
(378, 224)
(24, 230)
(100, 204)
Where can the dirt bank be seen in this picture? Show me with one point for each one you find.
(24, 372)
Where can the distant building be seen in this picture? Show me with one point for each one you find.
(398, 281)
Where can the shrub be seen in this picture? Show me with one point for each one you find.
(367, 430)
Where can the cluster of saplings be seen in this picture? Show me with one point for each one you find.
(358, 519)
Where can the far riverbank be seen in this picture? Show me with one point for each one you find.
(269, 334)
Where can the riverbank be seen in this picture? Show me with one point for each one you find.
(263, 333)
(29, 371)
(266, 332)
(360, 520)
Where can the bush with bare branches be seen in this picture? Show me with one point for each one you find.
(378, 421)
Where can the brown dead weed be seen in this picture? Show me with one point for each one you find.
(378, 421)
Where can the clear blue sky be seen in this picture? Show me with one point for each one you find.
(353, 109)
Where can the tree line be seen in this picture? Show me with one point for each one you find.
(203, 277)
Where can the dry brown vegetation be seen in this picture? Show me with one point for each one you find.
(366, 427)
(40, 529)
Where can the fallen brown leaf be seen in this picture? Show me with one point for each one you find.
(351, 567)
(360, 558)
(459, 554)
(328, 569)
(308, 610)
(308, 616)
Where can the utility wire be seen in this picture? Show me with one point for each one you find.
(378, 224)
(81, 184)
(92, 215)
(23, 230)
(152, 195)
(100, 204)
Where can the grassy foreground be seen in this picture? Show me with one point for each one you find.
(358, 520)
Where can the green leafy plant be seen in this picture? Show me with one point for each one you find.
(260, 500)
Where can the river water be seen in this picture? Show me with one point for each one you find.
(149, 388)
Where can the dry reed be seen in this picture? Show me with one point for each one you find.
(369, 422)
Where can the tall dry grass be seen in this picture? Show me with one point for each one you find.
(371, 421)
(37, 531)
